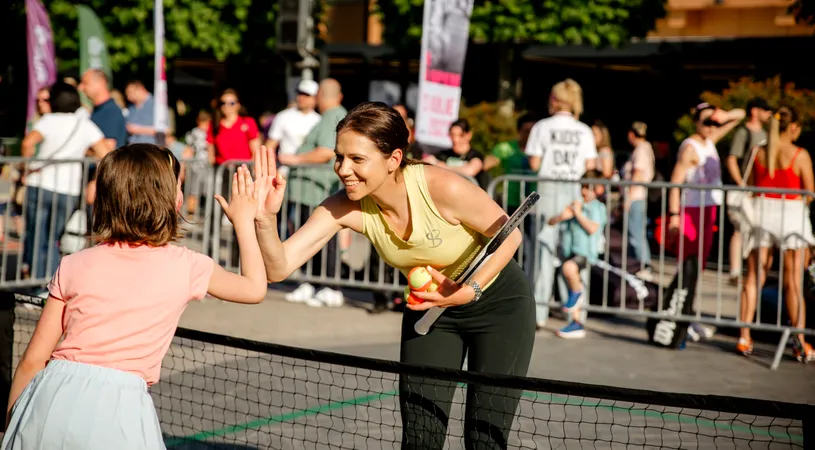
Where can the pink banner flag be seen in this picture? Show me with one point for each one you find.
(42, 61)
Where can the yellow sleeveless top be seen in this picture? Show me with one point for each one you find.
(433, 242)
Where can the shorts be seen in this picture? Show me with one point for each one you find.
(71, 405)
(581, 261)
(781, 224)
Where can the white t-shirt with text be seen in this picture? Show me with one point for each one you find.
(564, 144)
(60, 144)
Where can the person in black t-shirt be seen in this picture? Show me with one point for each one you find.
(461, 158)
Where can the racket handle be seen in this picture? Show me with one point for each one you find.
(422, 326)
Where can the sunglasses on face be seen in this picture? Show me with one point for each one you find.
(711, 123)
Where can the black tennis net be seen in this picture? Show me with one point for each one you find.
(220, 392)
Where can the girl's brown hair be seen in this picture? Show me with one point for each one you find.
(382, 125)
(135, 202)
(779, 123)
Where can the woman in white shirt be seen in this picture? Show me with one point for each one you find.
(640, 167)
(53, 188)
(560, 148)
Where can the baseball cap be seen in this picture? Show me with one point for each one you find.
(308, 87)
(758, 102)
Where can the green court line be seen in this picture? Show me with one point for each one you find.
(257, 423)
(362, 400)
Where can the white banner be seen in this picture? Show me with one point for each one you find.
(446, 29)
(160, 116)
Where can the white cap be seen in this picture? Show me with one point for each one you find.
(308, 87)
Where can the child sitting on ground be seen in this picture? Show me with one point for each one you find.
(582, 225)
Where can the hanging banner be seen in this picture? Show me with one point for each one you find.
(93, 48)
(42, 61)
(446, 30)
(161, 118)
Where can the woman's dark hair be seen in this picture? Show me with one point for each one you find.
(64, 98)
(461, 123)
(381, 124)
(697, 110)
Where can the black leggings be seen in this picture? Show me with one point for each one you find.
(496, 334)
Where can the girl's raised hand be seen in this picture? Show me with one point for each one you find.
(273, 185)
(243, 205)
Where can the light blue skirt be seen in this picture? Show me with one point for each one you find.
(71, 405)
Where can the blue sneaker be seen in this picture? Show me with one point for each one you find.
(573, 301)
(573, 330)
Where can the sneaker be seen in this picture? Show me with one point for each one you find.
(573, 301)
(573, 330)
(329, 297)
(303, 292)
(645, 275)
(745, 346)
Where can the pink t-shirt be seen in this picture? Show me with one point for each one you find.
(123, 304)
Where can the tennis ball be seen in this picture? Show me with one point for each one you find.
(414, 300)
(419, 279)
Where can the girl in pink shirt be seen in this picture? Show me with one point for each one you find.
(116, 307)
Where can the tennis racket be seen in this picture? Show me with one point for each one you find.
(423, 325)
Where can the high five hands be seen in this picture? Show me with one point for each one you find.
(259, 199)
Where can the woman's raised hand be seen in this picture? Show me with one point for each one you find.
(271, 183)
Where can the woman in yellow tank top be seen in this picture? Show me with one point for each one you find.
(421, 215)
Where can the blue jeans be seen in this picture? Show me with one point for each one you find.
(637, 240)
(46, 213)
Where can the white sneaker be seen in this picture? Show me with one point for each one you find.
(303, 293)
(329, 297)
(645, 275)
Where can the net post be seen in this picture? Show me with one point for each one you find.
(808, 425)
(6, 346)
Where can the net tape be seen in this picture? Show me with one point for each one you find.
(221, 392)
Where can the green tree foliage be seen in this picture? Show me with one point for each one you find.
(207, 28)
(738, 93)
(593, 22)
(489, 125)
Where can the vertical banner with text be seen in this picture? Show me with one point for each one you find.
(161, 118)
(42, 61)
(93, 47)
(445, 33)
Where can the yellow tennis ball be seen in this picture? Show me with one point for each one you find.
(419, 279)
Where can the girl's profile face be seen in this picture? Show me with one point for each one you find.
(179, 196)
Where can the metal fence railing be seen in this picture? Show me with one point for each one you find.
(49, 217)
(620, 283)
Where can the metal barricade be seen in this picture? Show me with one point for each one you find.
(716, 301)
(45, 214)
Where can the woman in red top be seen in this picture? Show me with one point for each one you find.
(233, 134)
(782, 220)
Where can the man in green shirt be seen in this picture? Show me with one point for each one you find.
(508, 158)
(312, 180)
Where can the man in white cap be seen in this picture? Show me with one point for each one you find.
(292, 125)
